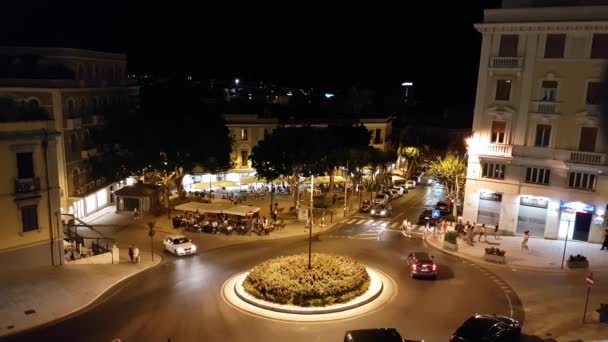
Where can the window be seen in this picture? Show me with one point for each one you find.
(599, 46)
(498, 132)
(543, 134)
(244, 158)
(549, 91)
(537, 175)
(555, 45)
(588, 139)
(580, 180)
(508, 45)
(378, 136)
(25, 165)
(29, 218)
(74, 143)
(71, 109)
(503, 90)
(490, 170)
(593, 93)
(76, 179)
(243, 133)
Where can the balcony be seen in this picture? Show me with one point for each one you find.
(578, 157)
(27, 186)
(500, 150)
(72, 124)
(88, 153)
(545, 107)
(506, 62)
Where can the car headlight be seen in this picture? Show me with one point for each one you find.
(194, 248)
(383, 212)
(180, 250)
(373, 211)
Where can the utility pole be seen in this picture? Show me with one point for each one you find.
(346, 189)
(312, 187)
(565, 244)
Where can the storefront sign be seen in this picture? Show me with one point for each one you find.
(490, 196)
(577, 206)
(534, 202)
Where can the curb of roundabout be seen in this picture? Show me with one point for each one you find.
(381, 291)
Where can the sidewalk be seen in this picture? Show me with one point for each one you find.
(53, 293)
(543, 254)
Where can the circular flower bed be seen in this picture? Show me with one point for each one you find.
(287, 280)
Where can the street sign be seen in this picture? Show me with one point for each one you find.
(436, 213)
(589, 280)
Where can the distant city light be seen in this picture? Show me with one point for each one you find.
(236, 81)
(290, 94)
(407, 84)
(329, 95)
(189, 78)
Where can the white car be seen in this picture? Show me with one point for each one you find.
(399, 190)
(179, 245)
(410, 184)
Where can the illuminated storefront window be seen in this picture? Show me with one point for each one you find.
(102, 198)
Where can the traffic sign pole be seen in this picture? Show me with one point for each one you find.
(589, 281)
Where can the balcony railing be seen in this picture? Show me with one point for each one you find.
(506, 62)
(545, 107)
(588, 158)
(26, 186)
(74, 123)
(495, 150)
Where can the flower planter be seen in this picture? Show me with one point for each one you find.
(495, 258)
(578, 264)
(450, 246)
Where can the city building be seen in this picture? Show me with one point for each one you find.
(72, 90)
(249, 129)
(537, 158)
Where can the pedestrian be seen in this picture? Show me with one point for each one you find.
(524, 243)
(131, 253)
(136, 254)
(323, 219)
(471, 233)
(276, 212)
(445, 226)
(605, 244)
(482, 232)
(405, 227)
(496, 232)
(427, 229)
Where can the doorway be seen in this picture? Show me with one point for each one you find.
(582, 224)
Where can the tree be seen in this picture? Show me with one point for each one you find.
(414, 156)
(451, 172)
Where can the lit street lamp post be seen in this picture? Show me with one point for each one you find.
(566, 243)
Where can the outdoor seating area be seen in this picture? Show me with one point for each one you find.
(222, 218)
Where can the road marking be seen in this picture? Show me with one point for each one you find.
(510, 305)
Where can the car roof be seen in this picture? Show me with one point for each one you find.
(421, 255)
(175, 236)
(374, 335)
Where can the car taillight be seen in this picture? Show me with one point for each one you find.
(434, 267)
(414, 267)
(453, 338)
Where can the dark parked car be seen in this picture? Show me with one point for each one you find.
(375, 335)
(421, 264)
(488, 328)
(444, 208)
(365, 206)
(425, 216)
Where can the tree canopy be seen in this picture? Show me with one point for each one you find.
(451, 172)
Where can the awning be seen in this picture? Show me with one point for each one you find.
(252, 180)
(241, 210)
(214, 185)
(212, 208)
(325, 180)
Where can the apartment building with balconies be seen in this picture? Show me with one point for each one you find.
(29, 194)
(77, 89)
(537, 158)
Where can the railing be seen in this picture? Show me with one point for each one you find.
(506, 62)
(25, 186)
(588, 158)
(88, 153)
(495, 150)
(74, 123)
(545, 107)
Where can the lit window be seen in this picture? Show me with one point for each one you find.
(244, 134)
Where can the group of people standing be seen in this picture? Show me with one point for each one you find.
(134, 254)
(468, 232)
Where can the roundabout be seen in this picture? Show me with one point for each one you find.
(382, 289)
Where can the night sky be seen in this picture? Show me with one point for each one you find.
(301, 45)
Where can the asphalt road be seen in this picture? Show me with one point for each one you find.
(180, 299)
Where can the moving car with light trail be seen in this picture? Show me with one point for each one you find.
(179, 245)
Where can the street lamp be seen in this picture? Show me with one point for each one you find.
(236, 82)
(566, 243)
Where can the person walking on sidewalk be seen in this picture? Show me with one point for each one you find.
(605, 244)
(496, 232)
(482, 232)
(323, 219)
(136, 254)
(524, 243)
(131, 253)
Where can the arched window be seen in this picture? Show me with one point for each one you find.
(95, 105)
(93, 72)
(71, 108)
(74, 142)
(33, 104)
(86, 137)
(76, 178)
(82, 106)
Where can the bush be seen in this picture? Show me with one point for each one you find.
(451, 237)
(577, 258)
(287, 280)
(495, 251)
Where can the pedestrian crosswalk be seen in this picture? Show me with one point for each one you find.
(377, 227)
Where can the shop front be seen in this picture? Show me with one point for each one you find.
(532, 215)
(575, 220)
(488, 212)
(85, 205)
